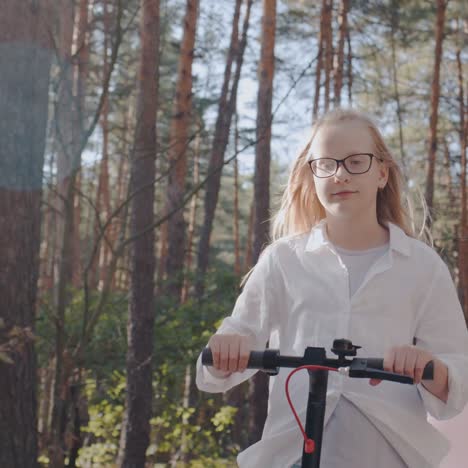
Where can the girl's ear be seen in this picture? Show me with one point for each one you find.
(383, 175)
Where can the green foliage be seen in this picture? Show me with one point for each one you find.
(203, 425)
(224, 418)
(105, 420)
(106, 350)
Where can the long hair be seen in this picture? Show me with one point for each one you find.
(301, 209)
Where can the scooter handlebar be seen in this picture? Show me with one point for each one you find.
(270, 361)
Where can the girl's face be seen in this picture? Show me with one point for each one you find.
(346, 195)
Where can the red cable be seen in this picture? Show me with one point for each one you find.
(309, 443)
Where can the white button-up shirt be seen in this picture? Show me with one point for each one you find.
(298, 296)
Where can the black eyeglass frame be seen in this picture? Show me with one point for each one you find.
(342, 161)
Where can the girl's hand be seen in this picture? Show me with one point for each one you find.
(230, 352)
(407, 360)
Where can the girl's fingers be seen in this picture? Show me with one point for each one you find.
(389, 360)
(244, 354)
(224, 356)
(230, 352)
(410, 363)
(399, 361)
(405, 360)
(419, 369)
(233, 362)
(213, 345)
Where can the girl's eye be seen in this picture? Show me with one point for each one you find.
(357, 161)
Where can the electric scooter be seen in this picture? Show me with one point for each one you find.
(318, 365)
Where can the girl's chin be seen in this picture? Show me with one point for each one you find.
(340, 212)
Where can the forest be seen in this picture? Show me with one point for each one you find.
(145, 145)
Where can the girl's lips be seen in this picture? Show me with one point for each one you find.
(343, 192)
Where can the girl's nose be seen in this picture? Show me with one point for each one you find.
(341, 174)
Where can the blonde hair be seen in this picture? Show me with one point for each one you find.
(301, 209)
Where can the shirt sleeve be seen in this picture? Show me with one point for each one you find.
(442, 331)
(255, 314)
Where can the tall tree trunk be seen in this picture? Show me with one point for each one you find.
(102, 203)
(328, 52)
(463, 229)
(396, 93)
(320, 59)
(103, 197)
(343, 28)
(249, 242)
(67, 167)
(174, 261)
(64, 139)
(259, 383)
(75, 242)
(69, 133)
(46, 268)
(79, 417)
(220, 140)
(447, 176)
(141, 310)
(192, 217)
(435, 92)
(237, 266)
(25, 60)
(81, 50)
(184, 451)
(349, 68)
(119, 226)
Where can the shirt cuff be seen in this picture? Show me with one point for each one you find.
(455, 400)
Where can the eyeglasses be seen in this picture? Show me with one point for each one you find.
(358, 163)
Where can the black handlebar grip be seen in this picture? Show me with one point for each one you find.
(256, 360)
(207, 357)
(377, 363)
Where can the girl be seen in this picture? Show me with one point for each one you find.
(345, 264)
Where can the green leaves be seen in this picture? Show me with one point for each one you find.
(224, 418)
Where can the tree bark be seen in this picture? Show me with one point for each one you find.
(328, 52)
(343, 28)
(178, 144)
(81, 50)
(463, 229)
(220, 141)
(396, 92)
(141, 309)
(349, 68)
(435, 92)
(237, 265)
(447, 175)
(103, 196)
(25, 58)
(65, 142)
(192, 218)
(120, 279)
(319, 67)
(249, 242)
(69, 124)
(259, 383)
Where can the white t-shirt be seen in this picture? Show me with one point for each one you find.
(358, 262)
(298, 296)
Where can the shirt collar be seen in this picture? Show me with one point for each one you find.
(318, 238)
